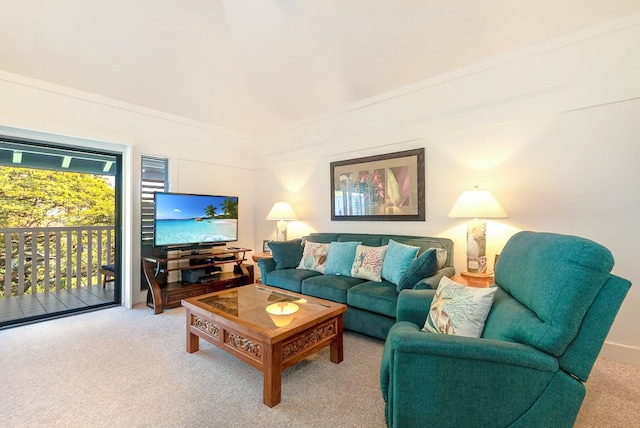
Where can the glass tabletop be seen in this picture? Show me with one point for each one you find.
(263, 307)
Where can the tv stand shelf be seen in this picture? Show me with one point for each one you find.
(169, 295)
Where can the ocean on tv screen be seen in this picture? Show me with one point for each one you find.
(193, 231)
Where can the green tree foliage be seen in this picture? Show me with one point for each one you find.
(37, 198)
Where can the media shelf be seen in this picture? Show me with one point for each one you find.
(169, 295)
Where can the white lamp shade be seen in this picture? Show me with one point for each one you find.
(477, 203)
(281, 211)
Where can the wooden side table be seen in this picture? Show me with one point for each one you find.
(260, 256)
(257, 257)
(470, 281)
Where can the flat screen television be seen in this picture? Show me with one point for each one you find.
(187, 220)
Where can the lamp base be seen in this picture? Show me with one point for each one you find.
(281, 229)
(476, 249)
(487, 274)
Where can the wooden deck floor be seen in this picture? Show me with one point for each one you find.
(42, 304)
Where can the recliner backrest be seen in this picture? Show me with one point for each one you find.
(548, 283)
(581, 354)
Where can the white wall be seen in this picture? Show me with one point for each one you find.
(202, 159)
(551, 130)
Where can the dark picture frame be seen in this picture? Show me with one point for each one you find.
(389, 187)
(265, 246)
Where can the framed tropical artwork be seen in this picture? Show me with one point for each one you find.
(381, 187)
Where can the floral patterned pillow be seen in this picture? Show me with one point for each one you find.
(368, 262)
(459, 310)
(314, 256)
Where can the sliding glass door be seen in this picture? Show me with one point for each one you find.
(59, 230)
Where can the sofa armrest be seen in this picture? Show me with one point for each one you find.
(424, 376)
(413, 305)
(266, 265)
(408, 338)
(431, 283)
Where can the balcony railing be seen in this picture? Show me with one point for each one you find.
(39, 260)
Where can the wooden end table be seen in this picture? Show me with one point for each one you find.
(479, 282)
(237, 322)
(261, 256)
(258, 257)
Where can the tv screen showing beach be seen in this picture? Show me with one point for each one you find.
(184, 219)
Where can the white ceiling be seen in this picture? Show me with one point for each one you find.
(256, 66)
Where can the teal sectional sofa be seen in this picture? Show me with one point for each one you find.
(371, 304)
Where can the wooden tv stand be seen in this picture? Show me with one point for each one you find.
(170, 295)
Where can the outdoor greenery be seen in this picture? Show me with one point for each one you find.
(33, 198)
(39, 198)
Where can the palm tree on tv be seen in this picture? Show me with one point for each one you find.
(210, 211)
(230, 208)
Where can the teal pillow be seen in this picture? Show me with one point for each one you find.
(286, 254)
(397, 260)
(340, 258)
(424, 266)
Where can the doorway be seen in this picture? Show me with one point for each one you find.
(59, 230)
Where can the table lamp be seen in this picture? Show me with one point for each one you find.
(282, 313)
(282, 212)
(477, 204)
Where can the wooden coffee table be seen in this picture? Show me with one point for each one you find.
(237, 321)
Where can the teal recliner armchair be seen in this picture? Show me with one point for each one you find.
(555, 303)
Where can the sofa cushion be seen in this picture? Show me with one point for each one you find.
(340, 258)
(323, 238)
(367, 263)
(424, 266)
(330, 287)
(424, 244)
(441, 257)
(289, 279)
(286, 254)
(314, 256)
(397, 260)
(459, 310)
(379, 297)
(371, 240)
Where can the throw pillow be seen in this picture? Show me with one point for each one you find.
(286, 254)
(367, 264)
(314, 256)
(459, 310)
(340, 258)
(397, 260)
(441, 257)
(422, 267)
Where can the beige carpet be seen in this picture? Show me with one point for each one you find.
(119, 367)
(613, 396)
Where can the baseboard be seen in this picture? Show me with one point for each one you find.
(621, 353)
